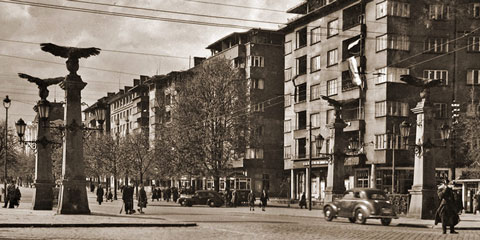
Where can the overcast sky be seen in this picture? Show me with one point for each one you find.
(25, 26)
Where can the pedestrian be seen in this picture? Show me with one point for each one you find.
(251, 200)
(127, 197)
(18, 196)
(228, 197)
(110, 196)
(175, 194)
(100, 193)
(263, 199)
(154, 193)
(447, 211)
(234, 198)
(92, 187)
(168, 192)
(142, 199)
(303, 201)
(159, 194)
(10, 197)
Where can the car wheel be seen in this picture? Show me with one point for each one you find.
(386, 221)
(183, 203)
(211, 204)
(328, 212)
(360, 216)
(352, 219)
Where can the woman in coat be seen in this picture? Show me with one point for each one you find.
(303, 201)
(142, 199)
(251, 200)
(447, 212)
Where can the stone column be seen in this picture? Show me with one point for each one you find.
(424, 200)
(373, 176)
(335, 176)
(43, 192)
(73, 193)
(292, 185)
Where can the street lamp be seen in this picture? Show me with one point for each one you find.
(100, 113)
(318, 142)
(6, 105)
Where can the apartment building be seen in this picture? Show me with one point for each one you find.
(426, 39)
(259, 53)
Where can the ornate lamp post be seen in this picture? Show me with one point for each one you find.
(6, 105)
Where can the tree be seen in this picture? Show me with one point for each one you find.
(140, 153)
(12, 149)
(210, 120)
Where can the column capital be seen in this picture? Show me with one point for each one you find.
(73, 82)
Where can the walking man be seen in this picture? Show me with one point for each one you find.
(263, 199)
(127, 198)
(251, 200)
(100, 194)
(447, 212)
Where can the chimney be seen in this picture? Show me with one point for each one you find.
(136, 82)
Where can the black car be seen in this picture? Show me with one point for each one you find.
(202, 197)
(359, 204)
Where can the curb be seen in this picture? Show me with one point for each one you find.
(414, 225)
(89, 225)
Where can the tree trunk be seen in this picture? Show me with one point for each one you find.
(216, 183)
(115, 186)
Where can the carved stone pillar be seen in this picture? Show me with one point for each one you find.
(335, 176)
(73, 193)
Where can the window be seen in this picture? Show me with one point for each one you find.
(288, 102)
(168, 99)
(473, 77)
(301, 92)
(347, 83)
(332, 28)
(332, 87)
(437, 74)
(315, 92)
(381, 9)
(255, 61)
(288, 47)
(390, 74)
(257, 83)
(436, 45)
(332, 57)
(301, 147)
(287, 126)
(254, 153)
(259, 107)
(383, 141)
(440, 110)
(362, 178)
(168, 116)
(390, 108)
(301, 37)
(475, 10)
(315, 35)
(302, 65)
(287, 152)
(398, 9)
(352, 16)
(381, 42)
(301, 120)
(315, 120)
(474, 44)
(438, 11)
(394, 42)
(315, 63)
(288, 74)
(330, 116)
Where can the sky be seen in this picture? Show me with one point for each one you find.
(131, 46)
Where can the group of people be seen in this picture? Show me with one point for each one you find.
(449, 209)
(167, 194)
(263, 200)
(12, 196)
(101, 193)
(127, 197)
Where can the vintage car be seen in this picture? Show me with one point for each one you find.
(359, 204)
(202, 197)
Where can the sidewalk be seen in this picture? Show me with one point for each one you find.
(25, 217)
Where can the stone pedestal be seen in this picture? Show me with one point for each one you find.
(335, 176)
(424, 200)
(43, 193)
(73, 193)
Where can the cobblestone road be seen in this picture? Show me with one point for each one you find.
(233, 223)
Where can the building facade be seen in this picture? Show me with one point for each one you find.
(260, 54)
(426, 39)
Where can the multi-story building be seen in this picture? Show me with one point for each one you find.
(260, 53)
(91, 117)
(429, 39)
(129, 108)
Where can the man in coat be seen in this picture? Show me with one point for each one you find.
(100, 193)
(142, 199)
(251, 200)
(447, 212)
(127, 198)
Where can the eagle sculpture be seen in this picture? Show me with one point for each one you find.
(42, 83)
(420, 82)
(425, 84)
(332, 102)
(71, 53)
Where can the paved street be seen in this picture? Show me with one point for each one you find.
(222, 223)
